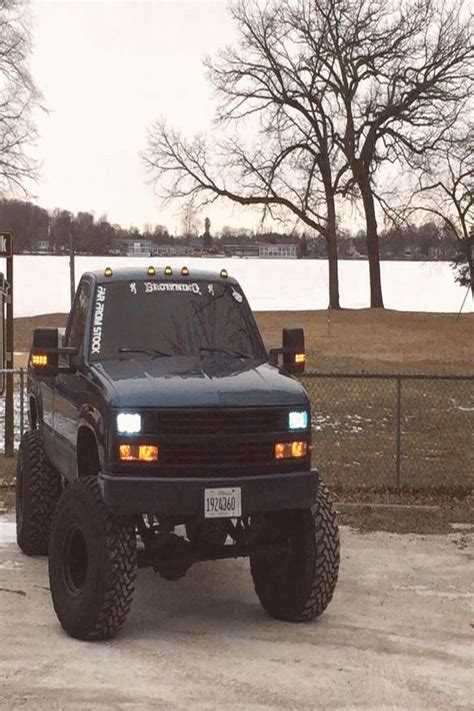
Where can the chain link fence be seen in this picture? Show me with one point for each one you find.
(370, 431)
(20, 415)
(393, 430)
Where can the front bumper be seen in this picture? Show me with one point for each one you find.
(184, 496)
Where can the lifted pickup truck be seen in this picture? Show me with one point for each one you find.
(162, 433)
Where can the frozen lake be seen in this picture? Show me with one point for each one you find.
(42, 282)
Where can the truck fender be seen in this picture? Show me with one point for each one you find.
(35, 413)
(91, 420)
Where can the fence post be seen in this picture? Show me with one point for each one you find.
(10, 385)
(9, 414)
(399, 432)
(22, 402)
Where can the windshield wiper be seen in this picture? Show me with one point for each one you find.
(223, 350)
(148, 351)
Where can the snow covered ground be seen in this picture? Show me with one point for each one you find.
(42, 282)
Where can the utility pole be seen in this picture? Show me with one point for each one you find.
(72, 275)
(6, 250)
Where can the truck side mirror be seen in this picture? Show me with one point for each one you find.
(45, 353)
(293, 351)
(294, 354)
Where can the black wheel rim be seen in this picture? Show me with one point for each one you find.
(75, 560)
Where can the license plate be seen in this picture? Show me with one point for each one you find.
(222, 503)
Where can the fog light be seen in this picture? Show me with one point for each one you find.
(138, 453)
(128, 423)
(298, 420)
(286, 450)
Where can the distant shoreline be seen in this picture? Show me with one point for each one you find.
(358, 258)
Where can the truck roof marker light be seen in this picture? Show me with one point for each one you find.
(300, 357)
(151, 271)
(108, 271)
(224, 273)
(185, 271)
(39, 360)
(168, 271)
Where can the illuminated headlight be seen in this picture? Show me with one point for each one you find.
(128, 423)
(298, 420)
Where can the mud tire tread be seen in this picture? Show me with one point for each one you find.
(40, 486)
(322, 552)
(117, 582)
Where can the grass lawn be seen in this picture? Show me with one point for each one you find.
(378, 340)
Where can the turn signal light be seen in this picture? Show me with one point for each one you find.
(300, 357)
(168, 271)
(39, 360)
(285, 450)
(185, 271)
(224, 273)
(138, 453)
(108, 272)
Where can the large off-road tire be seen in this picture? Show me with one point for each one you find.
(299, 585)
(92, 563)
(38, 488)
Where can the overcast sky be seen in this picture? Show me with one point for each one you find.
(107, 69)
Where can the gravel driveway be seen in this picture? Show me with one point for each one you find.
(398, 635)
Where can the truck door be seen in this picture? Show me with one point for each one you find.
(71, 388)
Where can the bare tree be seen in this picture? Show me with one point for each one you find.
(401, 72)
(446, 187)
(189, 219)
(330, 90)
(18, 96)
(271, 88)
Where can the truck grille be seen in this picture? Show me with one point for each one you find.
(207, 421)
(201, 457)
(219, 441)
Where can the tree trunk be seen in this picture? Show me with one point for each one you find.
(470, 269)
(331, 240)
(376, 299)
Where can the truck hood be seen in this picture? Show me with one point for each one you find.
(198, 382)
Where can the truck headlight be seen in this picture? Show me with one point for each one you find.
(298, 420)
(129, 423)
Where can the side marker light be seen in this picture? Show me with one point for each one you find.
(39, 360)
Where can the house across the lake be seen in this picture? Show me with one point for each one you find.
(278, 251)
(136, 247)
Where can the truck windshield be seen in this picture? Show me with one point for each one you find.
(156, 319)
